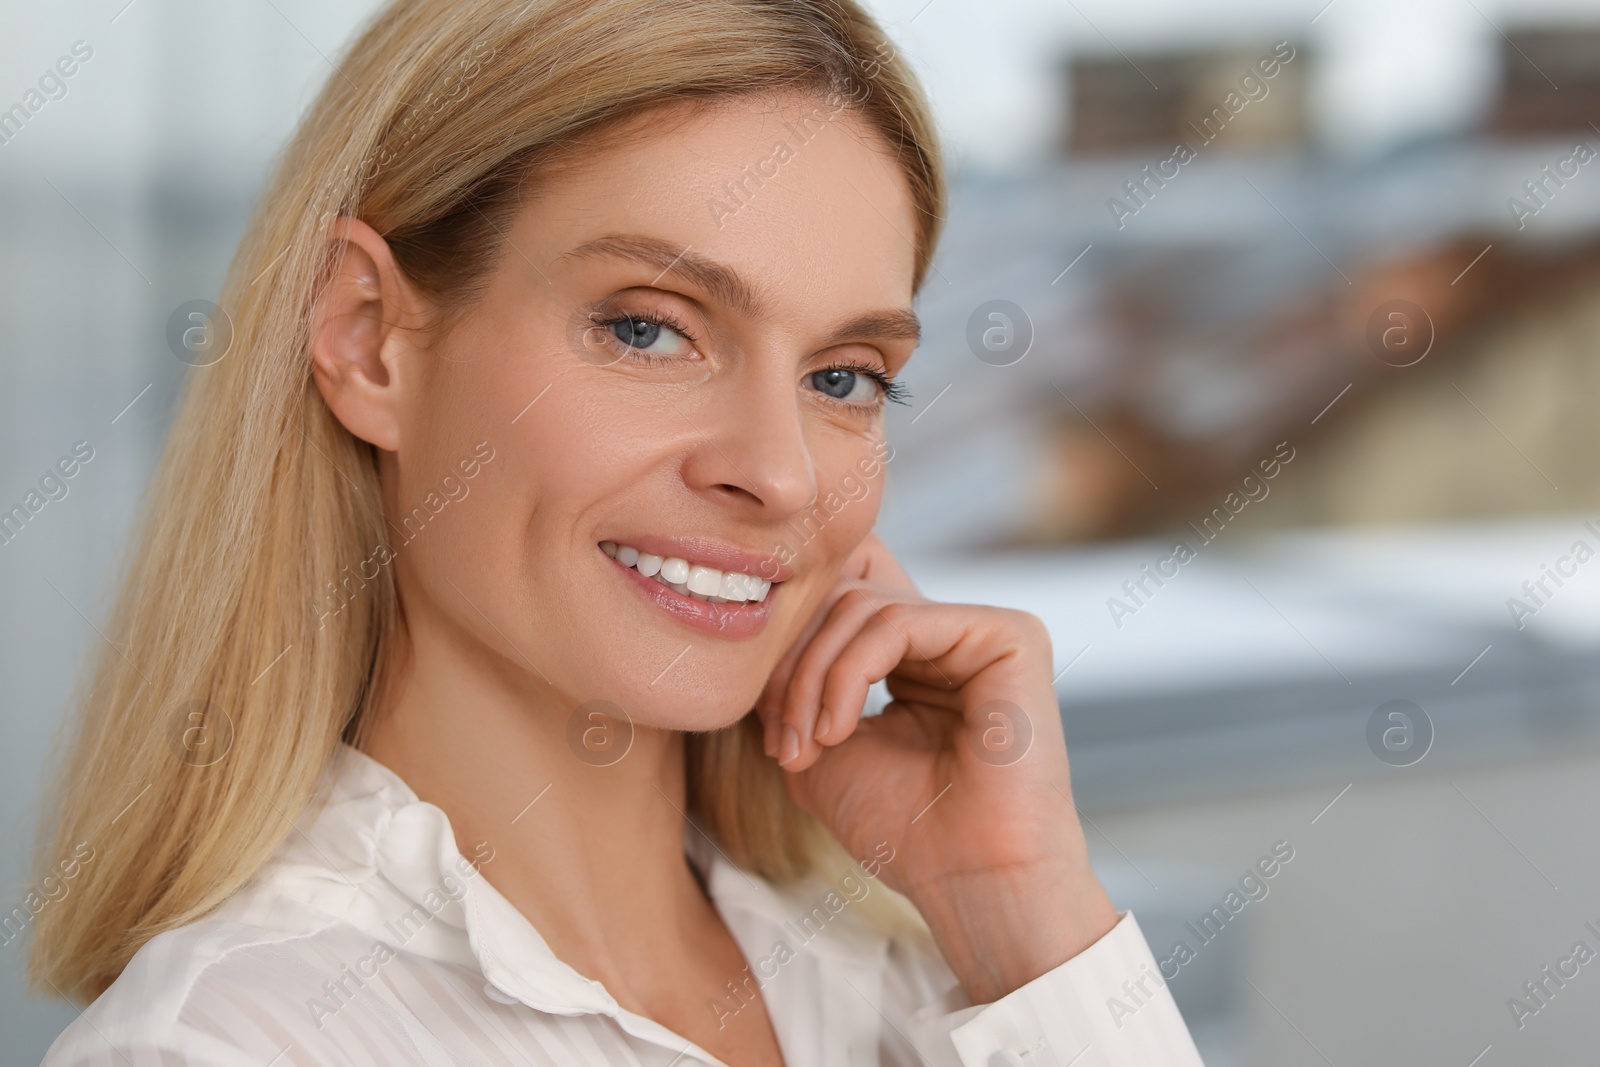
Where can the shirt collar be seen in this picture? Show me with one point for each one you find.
(380, 858)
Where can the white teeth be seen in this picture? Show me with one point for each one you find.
(694, 580)
(704, 580)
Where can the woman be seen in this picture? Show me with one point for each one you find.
(487, 686)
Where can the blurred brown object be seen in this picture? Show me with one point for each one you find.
(1550, 83)
(1099, 481)
(1157, 100)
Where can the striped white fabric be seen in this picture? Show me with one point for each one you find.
(370, 941)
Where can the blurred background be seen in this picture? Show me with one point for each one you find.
(1262, 356)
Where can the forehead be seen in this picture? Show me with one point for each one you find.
(796, 194)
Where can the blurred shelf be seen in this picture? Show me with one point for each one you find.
(1260, 663)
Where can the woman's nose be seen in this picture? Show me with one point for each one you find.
(752, 448)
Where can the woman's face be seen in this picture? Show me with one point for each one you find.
(679, 355)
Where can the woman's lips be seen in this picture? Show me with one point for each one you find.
(735, 621)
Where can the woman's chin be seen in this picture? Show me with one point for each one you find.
(699, 720)
(682, 712)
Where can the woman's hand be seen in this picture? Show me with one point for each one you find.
(964, 774)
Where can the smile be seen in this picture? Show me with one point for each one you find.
(694, 580)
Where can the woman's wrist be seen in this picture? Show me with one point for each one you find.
(999, 930)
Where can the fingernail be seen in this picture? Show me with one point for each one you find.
(822, 725)
(791, 743)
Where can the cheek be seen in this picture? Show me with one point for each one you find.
(591, 437)
(847, 499)
(562, 434)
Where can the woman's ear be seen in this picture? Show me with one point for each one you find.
(361, 324)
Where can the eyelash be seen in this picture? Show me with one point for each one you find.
(893, 391)
(655, 319)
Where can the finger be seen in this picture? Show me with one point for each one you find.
(872, 653)
(878, 649)
(910, 680)
(920, 683)
(803, 701)
(776, 695)
(778, 680)
(769, 705)
(988, 653)
(871, 561)
(806, 707)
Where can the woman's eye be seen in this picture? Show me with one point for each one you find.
(841, 383)
(646, 335)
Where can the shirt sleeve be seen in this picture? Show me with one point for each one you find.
(1105, 1007)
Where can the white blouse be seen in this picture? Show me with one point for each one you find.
(370, 940)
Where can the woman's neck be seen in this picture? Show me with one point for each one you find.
(592, 855)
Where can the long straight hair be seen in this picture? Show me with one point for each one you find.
(433, 121)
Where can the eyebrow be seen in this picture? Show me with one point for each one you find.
(726, 286)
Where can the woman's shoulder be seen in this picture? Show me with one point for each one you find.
(223, 990)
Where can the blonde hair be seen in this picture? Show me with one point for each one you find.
(433, 121)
